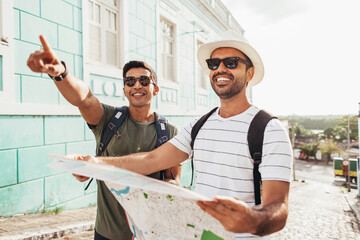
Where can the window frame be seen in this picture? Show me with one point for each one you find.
(174, 50)
(101, 68)
(6, 51)
(168, 87)
(103, 27)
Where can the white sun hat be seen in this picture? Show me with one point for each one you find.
(237, 41)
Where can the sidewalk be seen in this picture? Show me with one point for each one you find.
(353, 201)
(47, 225)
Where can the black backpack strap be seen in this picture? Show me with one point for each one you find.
(111, 128)
(162, 137)
(194, 132)
(255, 139)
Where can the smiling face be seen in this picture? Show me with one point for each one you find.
(229, 82)
(139, 95)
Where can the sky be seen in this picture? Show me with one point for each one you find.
(311, 54)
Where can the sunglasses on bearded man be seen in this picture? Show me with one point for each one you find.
(143, 80)
(229, 62)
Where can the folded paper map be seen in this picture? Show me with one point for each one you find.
(155, 209)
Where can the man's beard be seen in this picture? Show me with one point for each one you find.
(235, 88)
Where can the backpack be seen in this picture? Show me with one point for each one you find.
(117, 119)
(255, 139)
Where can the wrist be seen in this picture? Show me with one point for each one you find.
(62, 75)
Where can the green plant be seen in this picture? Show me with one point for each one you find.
(55, 210)
(329, 147)
(310, 149)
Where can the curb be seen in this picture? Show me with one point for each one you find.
(57, 232)
(350, 199)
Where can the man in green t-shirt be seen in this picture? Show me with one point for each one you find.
(136, 134)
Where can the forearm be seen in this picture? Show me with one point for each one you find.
(270, 219)
(164, 157)
(142, 163)
(74, 90)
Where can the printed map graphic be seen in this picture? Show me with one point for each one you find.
(156, 210)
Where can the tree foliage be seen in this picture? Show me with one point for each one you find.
(299, 130)
(340, 130)
(329, 147)
(310, 149)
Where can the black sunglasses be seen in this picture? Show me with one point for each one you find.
(230, 62)
(143, 80)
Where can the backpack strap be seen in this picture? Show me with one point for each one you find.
(162, 137)
(194, 132)
(161, 130)
(113, 125)
(255, 139)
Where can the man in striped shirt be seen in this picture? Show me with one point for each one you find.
(224, 168)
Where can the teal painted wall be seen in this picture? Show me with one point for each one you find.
(26, 184)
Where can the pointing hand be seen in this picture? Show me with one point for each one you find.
(45, 60)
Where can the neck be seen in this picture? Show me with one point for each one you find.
(234, 105)
(141, 114)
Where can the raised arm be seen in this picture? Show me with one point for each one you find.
(73, 89)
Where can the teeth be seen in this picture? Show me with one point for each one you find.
(138, 94)
(221, 79)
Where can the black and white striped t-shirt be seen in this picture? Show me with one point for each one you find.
(222, 158)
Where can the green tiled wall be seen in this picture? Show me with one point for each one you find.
(8, 167)
(68, 189)
(20, 131)
(63, 129)
(32, 26)
(26, 184)
(22, 198)
(61, 15)
(29, 6)
(70, 40)
(32, 161)
(45, 90)
(87, 147)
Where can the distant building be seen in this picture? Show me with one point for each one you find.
(95, 38)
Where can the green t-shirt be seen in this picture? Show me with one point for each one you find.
(132, 136)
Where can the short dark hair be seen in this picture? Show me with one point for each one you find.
(139, 64)
(250, 64)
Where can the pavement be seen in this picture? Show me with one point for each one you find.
(79, 224)
(353, 200)
(48, 225)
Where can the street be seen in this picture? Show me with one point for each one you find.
(318, 209)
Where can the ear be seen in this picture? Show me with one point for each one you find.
(124, 91)
(156, 90)
(250, 74)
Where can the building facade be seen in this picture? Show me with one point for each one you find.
(95, 38)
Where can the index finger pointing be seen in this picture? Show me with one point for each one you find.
(44, 43)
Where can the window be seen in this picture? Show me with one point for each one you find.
(104, 31)
(167, 42)
(201, 76)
